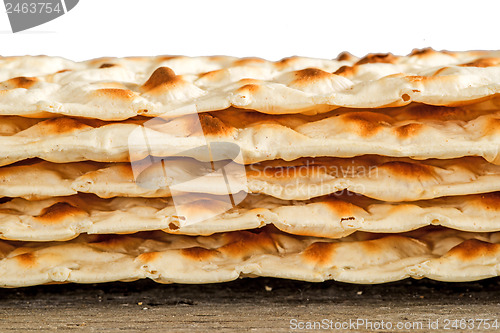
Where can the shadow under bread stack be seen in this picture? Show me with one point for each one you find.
(207, 169)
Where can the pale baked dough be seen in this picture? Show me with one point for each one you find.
(378, 177)
(446, 255)
(120, 88)
(415, 131)
(64, 218)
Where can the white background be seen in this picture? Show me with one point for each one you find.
(270, 29)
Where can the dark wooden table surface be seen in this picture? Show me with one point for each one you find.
(260, 304)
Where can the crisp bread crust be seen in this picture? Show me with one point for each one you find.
(63, 218)
(418, 131)
(404, 179)
(446, 255)
(120, 88)
(414, 139)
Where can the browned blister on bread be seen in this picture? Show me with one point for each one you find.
(403, 179)
(336, 216)
(446, 255)
(417, 131)
(120, 88)
(207, 169)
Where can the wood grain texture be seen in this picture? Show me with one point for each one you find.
(258, 305)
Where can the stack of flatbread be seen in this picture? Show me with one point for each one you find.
(207, 169)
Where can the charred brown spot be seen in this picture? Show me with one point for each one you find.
(341, 208)
(213, 126)
(162, 77)
(58, 212)
(249, 81)
(212, 74)
(244, 244)
(490, 201)
(107, 65)
(345, 71)
(405, 97)
(63, 71)
(409, 130)
(20, 82)
(98, 61)
(149, 256)
(124, 94)
(439, 71)
(247, 61)
(472, 249)
(320, 252)
(372, 58)
(309, 75)
(62, 125)
(344, 56)
(199, 253)
(285, 62)
(367, 123)
(173, 226)
(483, 62)
(248, 88)
(408, 170)
(422, 52)
(26, 260)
